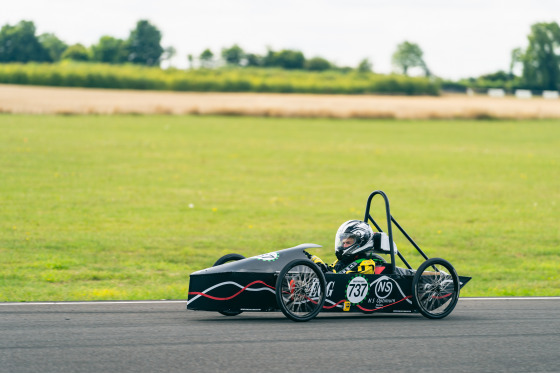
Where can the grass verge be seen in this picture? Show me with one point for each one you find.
(126, 207)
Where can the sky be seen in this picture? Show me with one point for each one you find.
(459, 38)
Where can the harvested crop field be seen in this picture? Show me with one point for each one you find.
(62, 100)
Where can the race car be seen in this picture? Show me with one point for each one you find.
(289, 281)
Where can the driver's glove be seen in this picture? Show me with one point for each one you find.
(324, 267)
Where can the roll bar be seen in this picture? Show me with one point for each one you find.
(390, 220)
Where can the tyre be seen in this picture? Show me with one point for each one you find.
(435, 288)
(222, 260)
(300, 290)
(228, 258)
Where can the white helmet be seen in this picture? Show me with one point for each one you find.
(352, 239)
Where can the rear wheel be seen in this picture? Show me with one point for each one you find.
(228, 258)
(300, 290)
(222, 260)
(435, 288)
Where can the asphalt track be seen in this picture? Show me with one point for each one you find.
(481, 335)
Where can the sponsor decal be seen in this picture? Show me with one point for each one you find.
(314, 290)
(347, 306)
(330, 288)
(378, 301)
(269, 257)
(385, 290)
(379, 307)
(357, 290)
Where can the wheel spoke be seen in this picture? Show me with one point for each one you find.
(437, 289)
(297, 290)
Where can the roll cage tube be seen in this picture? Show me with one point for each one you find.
(390, 220)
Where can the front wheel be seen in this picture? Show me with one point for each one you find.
(435, 288)
(300, 290)
(222, 260)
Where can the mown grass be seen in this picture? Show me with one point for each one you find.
(126, 207)
(73, 74)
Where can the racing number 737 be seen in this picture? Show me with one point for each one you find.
(357, 290)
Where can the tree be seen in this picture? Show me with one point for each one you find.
(144, 44)
(541, 60)
(168, 54)
(190, 58)
(409, 55)
(365, 66)
(19, 44)
(516, 60)
(253, 59)
(317, 64)
(76, 52)
(110, 50)
(206, 58)
(54, 46)
(233, 55)
(286, 59)
(498, 76)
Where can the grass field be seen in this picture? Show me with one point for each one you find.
(126, 207)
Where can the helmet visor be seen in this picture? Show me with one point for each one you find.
(344, 241)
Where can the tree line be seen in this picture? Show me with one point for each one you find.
(19, 43)
(539, 62)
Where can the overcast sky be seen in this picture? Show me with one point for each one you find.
(460, 38)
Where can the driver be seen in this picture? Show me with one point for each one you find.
(355, 243)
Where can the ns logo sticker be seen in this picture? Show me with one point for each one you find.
(383, 289)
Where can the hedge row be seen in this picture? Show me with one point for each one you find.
(71, 74)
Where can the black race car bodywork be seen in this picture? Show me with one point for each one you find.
(288, 281)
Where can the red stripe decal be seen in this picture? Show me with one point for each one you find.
(232, 296)
(441, 297)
